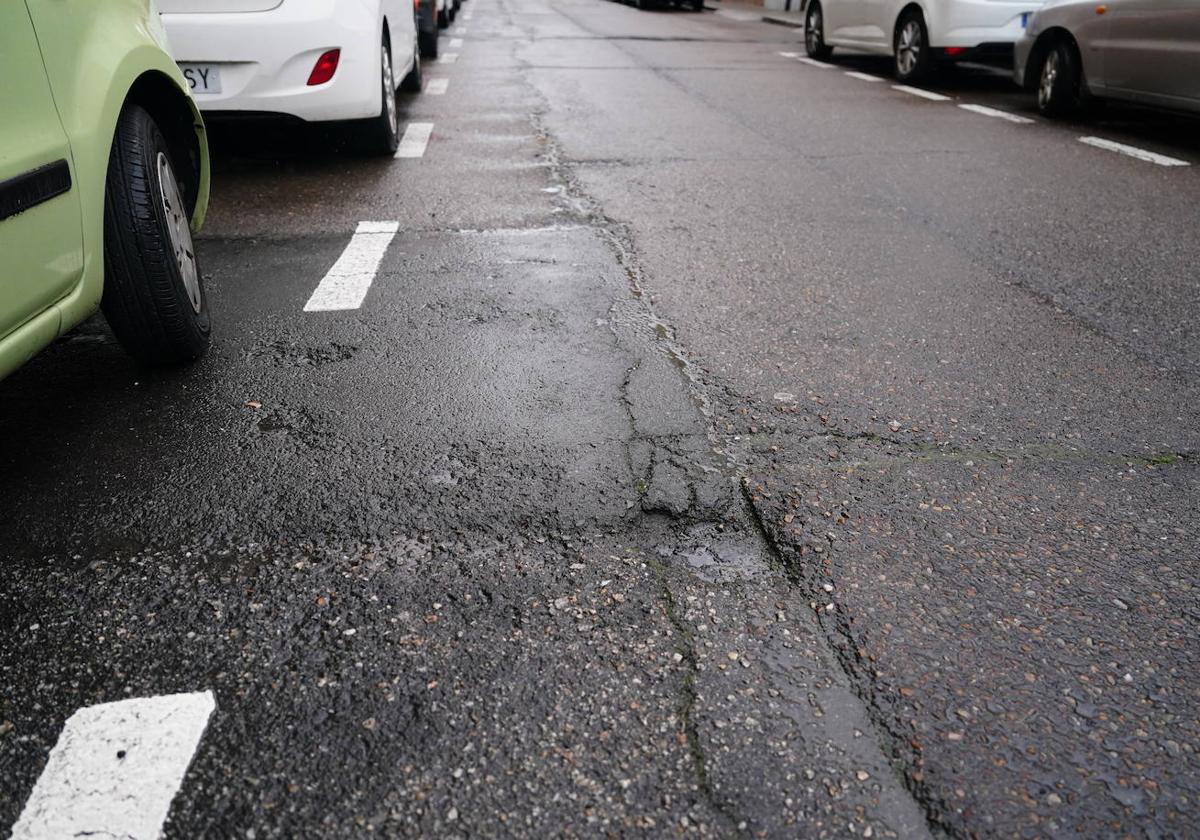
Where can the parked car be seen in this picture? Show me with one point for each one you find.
(917, 33)
(1145, 51)
(316, 60)
(103, 178)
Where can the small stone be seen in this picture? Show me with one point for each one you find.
(733, 655)
(862, 775)
(452, 814)
(562, 603)
(370, 724)
(678, 657)
(894, 425)
(1121, 605)
(1054, 799)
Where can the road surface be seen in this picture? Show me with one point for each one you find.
(680, 439)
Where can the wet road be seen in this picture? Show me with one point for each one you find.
(725, 446)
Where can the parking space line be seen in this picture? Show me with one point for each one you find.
(866, 77)
(812, 62)
(345, 285)
(460, 30)
(455, 42)
(415, 139)
(437, 87)
(1133, 152)
(997, 113)
(790, 54)
(116, 768)
(924, 94)
(448, 58)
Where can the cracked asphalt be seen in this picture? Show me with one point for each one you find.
(726, 447)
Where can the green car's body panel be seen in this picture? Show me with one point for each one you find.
(70, 66)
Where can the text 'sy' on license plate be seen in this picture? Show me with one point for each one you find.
(202, 78)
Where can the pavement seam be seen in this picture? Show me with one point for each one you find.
(903, 753)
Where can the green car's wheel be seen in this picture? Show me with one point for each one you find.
(153, 295)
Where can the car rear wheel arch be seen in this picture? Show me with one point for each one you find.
(170, 109)
(911, 8)
(1045, 42)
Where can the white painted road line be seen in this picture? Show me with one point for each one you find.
(448, 58)
(461, 30)
(997, 113)
(345, 286)
(1133, 152)
(812, 62)
(790, 54)
(414, 141)
(866, 77)
(437, 87)
(455, 43)
(924, 94)
(116, 768)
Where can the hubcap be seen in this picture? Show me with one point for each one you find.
(179, 231)
(813, 34)
(389, 93)
(908, 50)
(1049, 77)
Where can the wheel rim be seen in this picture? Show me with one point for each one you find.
(813, 34)
(1049, 77)
(908, 50)
(179, 231)
(389, 93)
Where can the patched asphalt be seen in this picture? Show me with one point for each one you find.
(725, 447)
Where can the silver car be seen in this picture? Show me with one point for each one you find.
(1145, 51)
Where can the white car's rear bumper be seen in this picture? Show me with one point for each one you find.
(970, 23)
(265, 58)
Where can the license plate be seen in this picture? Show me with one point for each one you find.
(202, 78)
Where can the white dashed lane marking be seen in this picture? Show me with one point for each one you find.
(812, 62)
(345, 285)
(997, 113)
(437, 87)
(414, 141)
(455, 43)
(924, 94)
(448, 58)
(866, 77)
(116, 768)
(1133, 152)
(790, 54)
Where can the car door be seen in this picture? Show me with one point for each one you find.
(41, 235)
(1152, 50)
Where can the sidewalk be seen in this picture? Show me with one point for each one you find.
(748, 11)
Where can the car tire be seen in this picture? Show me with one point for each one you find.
(443, 18)
(153, 297)
(1060, 81)
(383, 132)
(414, 80)
(697, 5)
(428, 42)
(910, 45)
(814, 34)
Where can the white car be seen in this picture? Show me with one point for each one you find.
(918, 33)
(317, 60)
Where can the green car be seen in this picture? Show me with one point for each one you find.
(103, 178)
